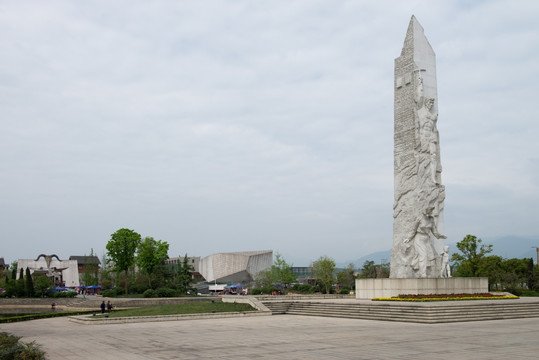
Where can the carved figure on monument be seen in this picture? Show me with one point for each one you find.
(428, 139)
(419, 193)
(422, 238)
(446, 269)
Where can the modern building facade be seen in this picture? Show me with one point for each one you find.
(235, 267)
(61, 272)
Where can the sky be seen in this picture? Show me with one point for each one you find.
(221, 126)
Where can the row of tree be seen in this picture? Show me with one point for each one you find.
(322, 271)
(508, 274)
(126, 248)
(26, 285)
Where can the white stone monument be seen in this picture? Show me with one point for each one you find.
(419, 259)
(419, 193)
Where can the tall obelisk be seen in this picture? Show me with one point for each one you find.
(419, 193)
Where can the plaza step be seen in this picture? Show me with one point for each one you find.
(494, 310)
(278, 307)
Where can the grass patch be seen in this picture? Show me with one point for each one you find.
(187, 308)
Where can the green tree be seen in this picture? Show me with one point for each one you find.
(11, 288)
(14, 270)
(323, 271)
(264, 278)
(279, 273)
(121, 249)
(151, 254)
(282, 272)
(29, 284)
(43, 283)
(530, 275)
(368, 271)
(514, 273)
(472, 254)
(21, 286)
(535, 285)
(346, 276)
(91, 273)
(185, 279)
(491, 266)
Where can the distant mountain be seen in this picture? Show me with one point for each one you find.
(508, 247)
(512, 246)
(378, 257)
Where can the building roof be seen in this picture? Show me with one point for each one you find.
(2, 263)
(86, 260)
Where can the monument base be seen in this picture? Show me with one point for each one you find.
(389, 287)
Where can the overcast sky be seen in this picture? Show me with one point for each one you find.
(222, 126)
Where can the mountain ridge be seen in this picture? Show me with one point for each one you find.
(508, 247)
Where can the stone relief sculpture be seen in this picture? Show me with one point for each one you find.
(446, 269)
(419, 193)
(422, 234)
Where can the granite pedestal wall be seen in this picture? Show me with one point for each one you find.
(389, 287)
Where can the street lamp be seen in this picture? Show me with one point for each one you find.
(537, 249)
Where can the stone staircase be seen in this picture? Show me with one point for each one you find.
(410, 312)
(278, 307)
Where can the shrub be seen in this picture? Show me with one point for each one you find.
(345, 290)
(11, 348)
(268, 289)
(138, 289)
(106, 284)
(529, 293)
(255, 291)
(150, 293)
(108, 293)
(141, 285)
(165, 292)
(513, 291)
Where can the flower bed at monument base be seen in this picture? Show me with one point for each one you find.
(446, 297)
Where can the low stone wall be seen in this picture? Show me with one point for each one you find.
(90, 320)
(254, 302)
(389, 287)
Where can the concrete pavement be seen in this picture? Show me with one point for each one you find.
(283, 337)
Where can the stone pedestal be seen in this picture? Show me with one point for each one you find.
(389, 287)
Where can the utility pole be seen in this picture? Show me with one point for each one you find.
(537, 249)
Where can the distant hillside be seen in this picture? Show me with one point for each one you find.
(378, 257)
(510, 246)
(513, 246)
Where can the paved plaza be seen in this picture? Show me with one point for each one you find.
(283, 337)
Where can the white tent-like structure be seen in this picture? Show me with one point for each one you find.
(236, 266)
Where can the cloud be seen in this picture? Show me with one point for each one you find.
(238, 126)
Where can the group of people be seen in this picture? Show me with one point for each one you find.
(107, 306)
